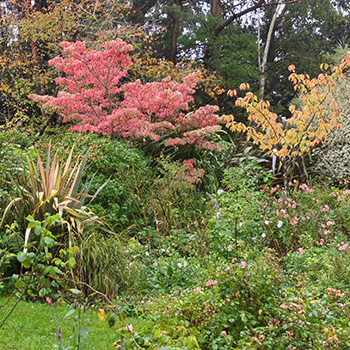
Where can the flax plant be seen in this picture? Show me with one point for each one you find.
(47, 188)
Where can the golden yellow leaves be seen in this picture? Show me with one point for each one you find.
(244, 86)
(324, 66)
(231, 93)
(101, 313)
(307, 127)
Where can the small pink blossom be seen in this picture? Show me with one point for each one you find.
(243, 264)
(300, 251)
(130, 328)
(275, 189)
(305, 187)
(48, 300)
(211, 283)
(325, 208)
(343, 246)
(321, 242)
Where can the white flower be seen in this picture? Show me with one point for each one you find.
(279, 224)
(161, 250)
(147, 254)
(263, 235)
(179, 265)
(275, 150)
(155, 264)
(267, 223)
(220, 191)
(217, 215)
(240, 224)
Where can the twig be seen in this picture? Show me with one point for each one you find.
(13, 308)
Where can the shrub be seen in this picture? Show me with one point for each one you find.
(239, 214)
(96, 99)
(249, 304)
(13, 149)
(112, 162)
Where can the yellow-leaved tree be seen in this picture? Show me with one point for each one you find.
(308, 126)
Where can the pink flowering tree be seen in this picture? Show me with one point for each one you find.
(96, 97)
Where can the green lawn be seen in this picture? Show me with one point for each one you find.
(33, 325)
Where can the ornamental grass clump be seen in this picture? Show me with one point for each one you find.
(48, 188)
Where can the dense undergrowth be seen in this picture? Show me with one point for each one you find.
(248, 265)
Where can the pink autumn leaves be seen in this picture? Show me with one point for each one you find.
(97, 98)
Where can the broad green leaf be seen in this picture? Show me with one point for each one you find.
(21, 256)
(58, 271)
(47, 242)
(69, 313)
(27, 262)
(37, 230)
(75, 291)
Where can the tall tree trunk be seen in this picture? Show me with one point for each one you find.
(262, 64)
(216, 8)
(175, 31)
(174, 37)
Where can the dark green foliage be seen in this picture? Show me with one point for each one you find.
(13, 147)
(303, 34)
(113, 161)
(238, 215)
(248, 304)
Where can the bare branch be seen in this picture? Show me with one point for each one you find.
(260, 4)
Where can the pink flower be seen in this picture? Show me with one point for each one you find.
(48, 300)
(130, 328)
(274, 189)
(321, 242)
(243, 264)
(343, 246)
(325, 208)
(300, 251)
(211, 283)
